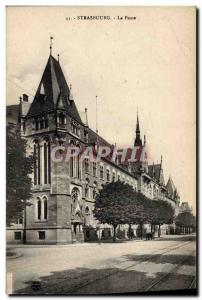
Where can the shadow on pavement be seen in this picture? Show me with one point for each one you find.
(87, 281)
(163, 259)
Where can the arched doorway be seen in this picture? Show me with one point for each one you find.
(77, 215)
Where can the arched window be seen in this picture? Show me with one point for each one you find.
(77, 158)
(47, 162)
(108, 175)
(87, 188)
(72, 160)
(87, 215)
(37, 163)
(94, 169)
(86, 165)
(45, 207)
(76, 198)
(38, 209)
(113, 176)
(101, 172)
(94, 189)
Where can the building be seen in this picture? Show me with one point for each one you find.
(64, 192)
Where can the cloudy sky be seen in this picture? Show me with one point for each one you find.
(146, 64)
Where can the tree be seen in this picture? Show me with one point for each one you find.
(18, 168)
(136, 212)
(185, 220)
(114, 204)
(163, 213)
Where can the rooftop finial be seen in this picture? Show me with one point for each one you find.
(86, 115)
(161, 159)
(51, 44)
(144, 140)
(58, 57)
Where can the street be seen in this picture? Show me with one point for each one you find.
(167, 263)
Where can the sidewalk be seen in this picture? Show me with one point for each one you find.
(163, 237)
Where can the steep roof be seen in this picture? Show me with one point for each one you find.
(156, 172)
(53, 92)
(170, 186)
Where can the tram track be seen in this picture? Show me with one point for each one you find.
(76, 287)
(166, 276)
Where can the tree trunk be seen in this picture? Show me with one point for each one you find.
(25, 224)
(151, 227)
(114, 236)
(159, 231)
(141, 234)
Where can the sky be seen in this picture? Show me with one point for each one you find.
(145, 64)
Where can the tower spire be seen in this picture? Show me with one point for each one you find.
(138, 141)
(51, 44)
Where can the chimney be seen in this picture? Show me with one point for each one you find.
(25, 98)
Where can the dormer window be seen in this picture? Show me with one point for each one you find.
(62, 119)
(85, 135)
(41, 124)
(37, 124)
(75, 128)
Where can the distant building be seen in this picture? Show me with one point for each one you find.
(64, 193)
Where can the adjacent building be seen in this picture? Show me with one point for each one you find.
(64, 192)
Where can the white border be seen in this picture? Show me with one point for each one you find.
(3, 4)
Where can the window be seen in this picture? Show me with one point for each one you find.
(36, 124)
(42, 235)
(86, 165)
(108, 175)
(37, 163)
(46, 122)
(72, 167)
(94, 189)
(45, 163)
(39, 209)
(45, 207)
(87, 215)
(86, 191)
(94, 169)
(18, 235)
(94, 193)
(85, 135)
(20, 221)
(119, 177)
(113, 176)
(41, 122)
(101, 172)
(61, 119)
(78, 163)
(75, 129)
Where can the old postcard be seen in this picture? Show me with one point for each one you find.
(101, 150)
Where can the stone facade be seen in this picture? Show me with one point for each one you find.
(64, 192)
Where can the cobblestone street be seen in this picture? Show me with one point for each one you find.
(135, 266)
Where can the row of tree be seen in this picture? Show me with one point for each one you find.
(117, 203)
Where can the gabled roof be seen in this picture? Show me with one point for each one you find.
(170, 186)
(53, 92)
(156, 172)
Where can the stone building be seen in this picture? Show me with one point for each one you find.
(64, 192)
